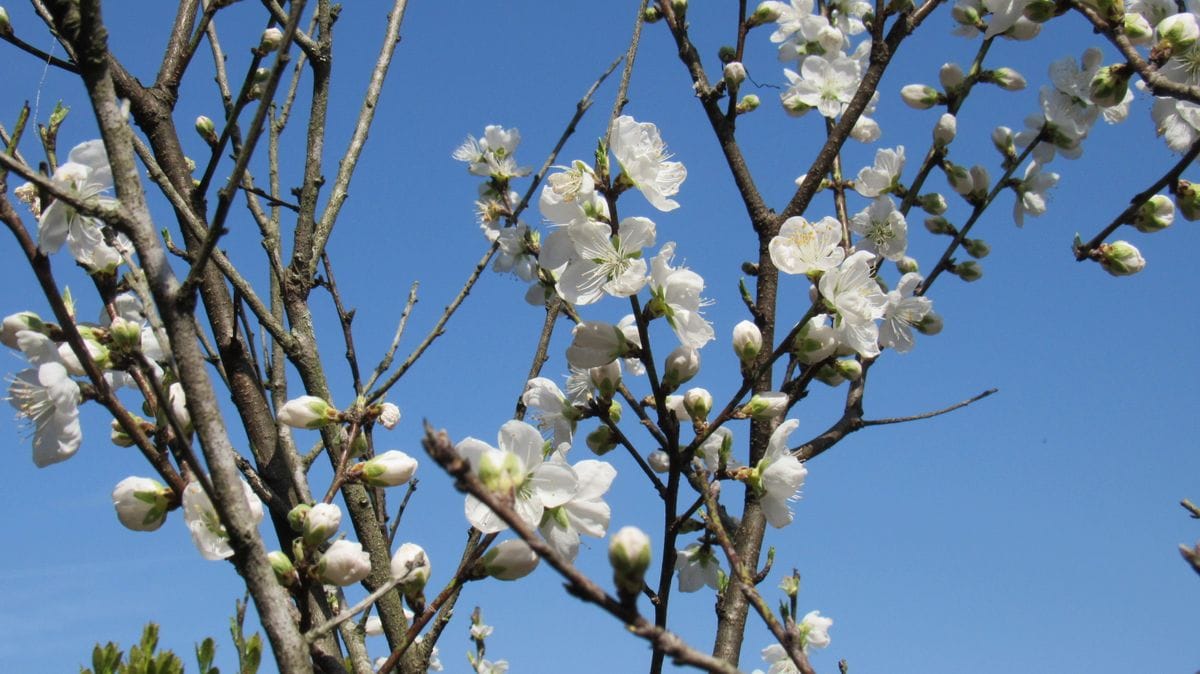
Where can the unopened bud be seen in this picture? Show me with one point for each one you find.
(5, 25)
(931, 324)
(281, 564)
(1121, 258)
(321, 522)
(747, 341)
(629, 554)
(389, 415)
(270, 41)
(766, 12)
(344, 563)
(919, 96)
(1179, 31)
(960, 179)
(976, 248)
(828, 375)
(1041, 11)
(1110, 84)
(907, 265)
(510, 560)
(965, 14)
(735, 73)
(682, 364)
(1156, 214)
(297, 515)
(15, 323)
(945, 130)
(933, 203)
(307, 412)
(815, 341)
(118, 436)
(968, 271)
(206, 129)
(606, 378)
(659, 461)
(601, 441)
(848, 368)
(1187, 197)
(749, 103)
(651, 15)
(1138, 29)
(1008, 79)
(141, 503)
(410, 566)
(766, 405)
(1002, 140)
(950, 76)
(390, 469)
(980, 180)
(698, 402)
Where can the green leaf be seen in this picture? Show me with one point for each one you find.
(252, 655)
(205, 652)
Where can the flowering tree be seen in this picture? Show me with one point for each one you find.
(209, 359)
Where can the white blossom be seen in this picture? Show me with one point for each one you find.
(344, 563)
(585, 513)
(882, 228)
(903, 311)
(697, 566)
(604, 263)
(884, 175)
(87, 176)
(644, 160)
(852, 292)
(779, 476)
(676, 296)
(802, 247)
(202, 520)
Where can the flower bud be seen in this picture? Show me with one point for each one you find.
(1008, 79)
(1110, 84)
(344, 563)
(698, 402)
(965, 14)
(307, 412)
(726, 54)
(261, 75)
(747, 341)
(1179, 31)
(411, 567)
(968, 271)
(390, 469)
(907, 265)
(1040, 11)
(933, 203)
(141, 503)
(828, 375)
(1023, 29)
(848, 368)
(1121, 258)
(1156, 214)
(919, 96)
(374, 626)
(660, 461)
(679, 6)
(816, 341)
(790, 585)
(945, 130)
(126, 335)
(389, 415)
(980, 180)
(1187, 197)
(629, 554)
(606, 378)
(97, 351)
(5, 25)
(321, 522)
(614, 411)
(281, 564)
(1002, 140)
(297, 515)
(270, 40)
(950, 75)
(976, 248)
(960, 179)
(510, 560)
(749, 103)
(206, 129)
(14, 323)
(1138, 29)
(682, 364)
(601, 441)
(931, 324)
(651, 15)
(766, 12)
(178, 406)
(939, 225)
(766, 405)
(118, 436)
(734, 73)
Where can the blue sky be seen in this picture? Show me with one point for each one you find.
(1034, 531)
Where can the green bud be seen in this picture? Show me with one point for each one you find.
(848, 368)
(1156, 214)
(764, 13)
(726, 54)
(5, 26)
(976, 248)
(601, 441)
(629, 554)
(749, 103)
(1121, 258)
(651, 15)
(790, 585)
(1110, 84)
(931, 324)
(1138, 29)
(614, 411)
(968, 271)
(206, 129)
(939, 225)
(297, 515)
(907, 265)
(281, 564)
(1041, 11)
(1187, 197)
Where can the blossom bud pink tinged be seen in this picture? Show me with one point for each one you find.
(919, 96)
(410, 566)
(1121, 258)
(629, 554)
(141, 503)
(321, 522)
(390, 469)
(307, 412)
(510, 560)
(344, 563)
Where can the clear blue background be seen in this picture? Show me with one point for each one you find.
(1034, 531)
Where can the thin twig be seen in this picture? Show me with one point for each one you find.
(927, 415)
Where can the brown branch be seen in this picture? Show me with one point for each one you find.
(927, 415)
